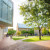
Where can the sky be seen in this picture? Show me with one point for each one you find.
(17, 18)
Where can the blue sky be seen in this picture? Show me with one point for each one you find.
(17, 18)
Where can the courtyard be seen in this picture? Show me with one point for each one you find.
(24, 25)
(9, 44)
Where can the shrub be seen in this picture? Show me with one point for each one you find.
(11, 32)
(31, 31)
(49, 30)
(18, 33)
(24, 31)
(44, 31)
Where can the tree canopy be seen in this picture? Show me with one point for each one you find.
(36, 12)
(11, 32)
(44, 31)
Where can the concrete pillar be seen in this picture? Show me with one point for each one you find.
(1, 33)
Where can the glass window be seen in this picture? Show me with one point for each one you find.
(0, 8)
(4, 11)
(9, 14)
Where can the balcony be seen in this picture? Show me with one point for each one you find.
(6, 13)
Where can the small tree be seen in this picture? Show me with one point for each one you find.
(11, 32)
(18, 33)
(44, 31)
(49, 31)
(31, 31)
(24, 32)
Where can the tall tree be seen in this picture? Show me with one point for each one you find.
(35, 13)
(47, 1)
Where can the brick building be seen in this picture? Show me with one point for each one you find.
(21, 27)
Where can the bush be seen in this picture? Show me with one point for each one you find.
(11, 32)
(44, 31)
(49, 30)
(24, 31)
(18, 33)
(31, 31)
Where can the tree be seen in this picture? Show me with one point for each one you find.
(24, 32)
(31, 31)
(49, 31)
(18, 33)
(11, 32)
(47, 1)
(44, 31)
(35, 13)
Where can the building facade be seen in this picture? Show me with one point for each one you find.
(21, 27)
(6, 16)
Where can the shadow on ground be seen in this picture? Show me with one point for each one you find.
(9, 44)
(25, 46)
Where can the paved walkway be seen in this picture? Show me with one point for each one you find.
(6, 42)
(9, 44)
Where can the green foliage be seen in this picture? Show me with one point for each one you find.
(11, 32)
(47, 1)
(44, 31)
(24, 31)
(36, 28)
(31, 31)
(49, 30)
(18, 33)
(35, 13)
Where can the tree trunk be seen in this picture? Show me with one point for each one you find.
(39, 33)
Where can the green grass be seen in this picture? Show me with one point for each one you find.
(18, 37)
(36, 38)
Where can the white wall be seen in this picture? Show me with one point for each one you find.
(2, 32)
(36, 32)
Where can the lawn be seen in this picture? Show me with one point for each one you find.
(18, 37)
(36, 38)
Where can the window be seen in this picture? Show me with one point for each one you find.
(0, 8)
(4, 11)
(9, 14)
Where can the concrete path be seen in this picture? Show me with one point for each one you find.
(6, 42)
(9, 44)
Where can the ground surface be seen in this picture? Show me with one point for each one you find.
(19, 45)
(36, 38)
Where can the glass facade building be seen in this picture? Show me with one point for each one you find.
(6, 12)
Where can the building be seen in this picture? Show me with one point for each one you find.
(6, 16)
(21, 27)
